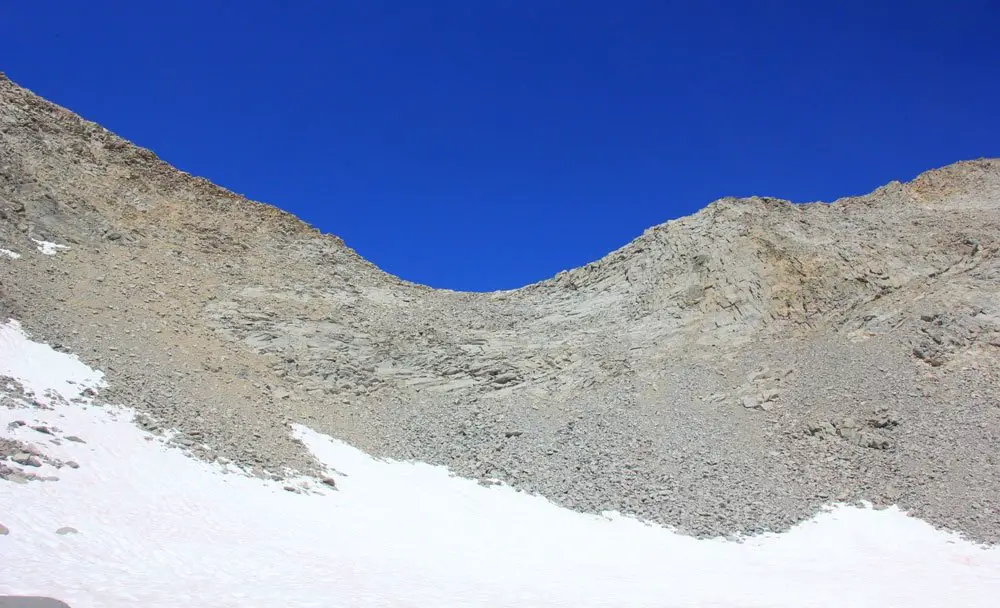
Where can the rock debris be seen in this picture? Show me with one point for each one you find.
(725, 373)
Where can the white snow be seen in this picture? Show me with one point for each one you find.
(49, 248)
(160, 529)
(41, 369)
(11, 254)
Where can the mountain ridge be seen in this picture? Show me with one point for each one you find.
(729, 372)
(173, 179)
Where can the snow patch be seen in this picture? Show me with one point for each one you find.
(407, 534)
(42, 371)
(10, 254)
(49, 248)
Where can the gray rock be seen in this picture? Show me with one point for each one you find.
(24, 601)
(29, 460)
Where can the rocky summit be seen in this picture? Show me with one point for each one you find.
(726, 373)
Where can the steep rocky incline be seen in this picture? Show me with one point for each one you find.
(727, 372)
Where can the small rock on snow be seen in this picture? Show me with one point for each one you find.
(28, 460)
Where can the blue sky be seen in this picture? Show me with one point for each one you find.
(485, 145)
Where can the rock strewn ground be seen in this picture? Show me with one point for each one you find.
(728, 372)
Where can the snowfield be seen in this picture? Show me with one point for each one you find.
(157, 528)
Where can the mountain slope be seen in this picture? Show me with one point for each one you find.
(731, 371)
(114, 499)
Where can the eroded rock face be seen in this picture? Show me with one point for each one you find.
(725, 372)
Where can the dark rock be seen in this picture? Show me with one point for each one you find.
(505, 378)
(883, 421)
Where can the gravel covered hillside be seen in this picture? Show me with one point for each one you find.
(728, 372)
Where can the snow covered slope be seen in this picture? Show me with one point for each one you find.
(132, 522)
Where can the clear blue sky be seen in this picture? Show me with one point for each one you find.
(485, 144)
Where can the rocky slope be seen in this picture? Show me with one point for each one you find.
(727, 372)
